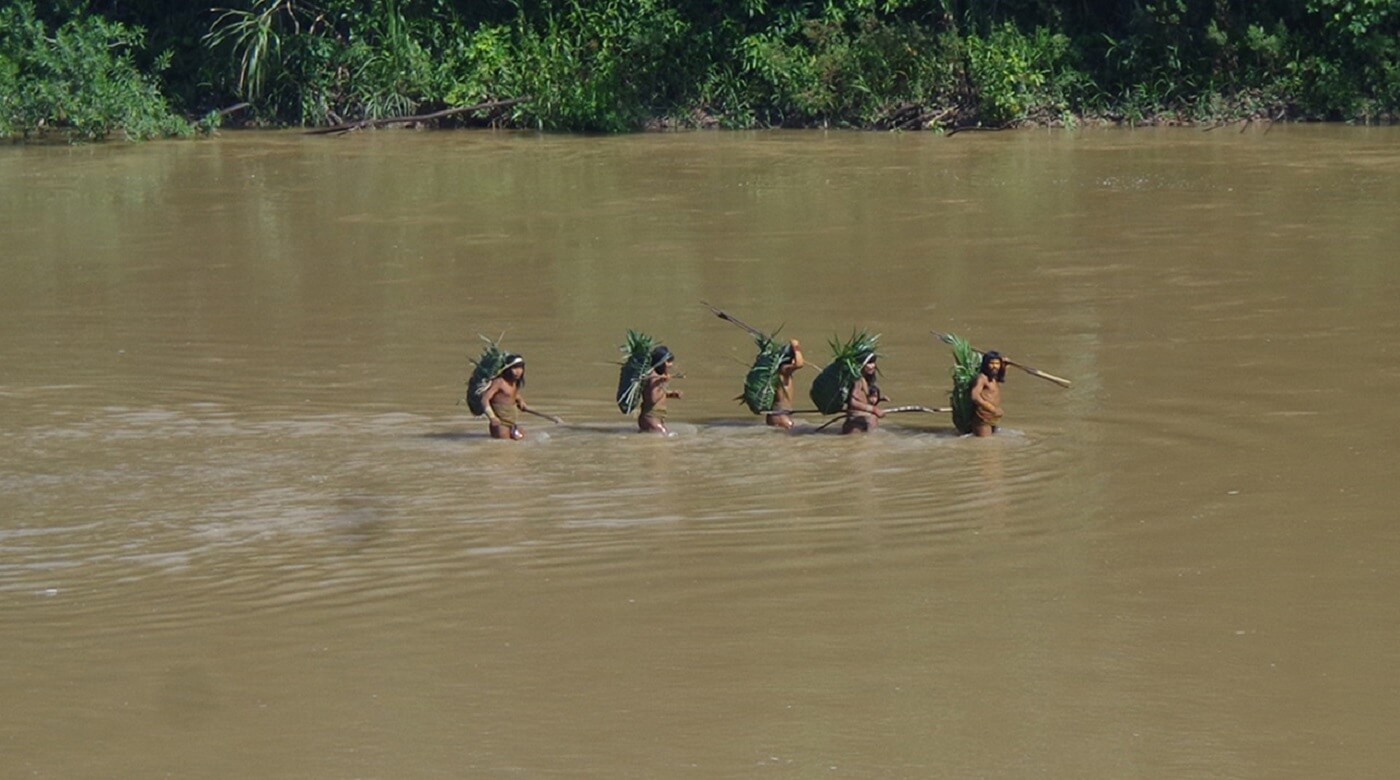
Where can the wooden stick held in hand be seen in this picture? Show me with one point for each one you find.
(552, 418)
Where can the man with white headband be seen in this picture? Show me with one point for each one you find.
(502, 399)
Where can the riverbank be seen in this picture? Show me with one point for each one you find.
(616, 66)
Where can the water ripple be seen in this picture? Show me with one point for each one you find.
(264, 509)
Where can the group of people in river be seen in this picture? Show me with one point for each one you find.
(496, 391)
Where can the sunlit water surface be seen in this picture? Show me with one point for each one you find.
(246, 532)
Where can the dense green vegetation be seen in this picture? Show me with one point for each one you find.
(89, 68)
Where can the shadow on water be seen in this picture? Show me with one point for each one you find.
(706, 428)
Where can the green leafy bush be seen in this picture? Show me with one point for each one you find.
(78, 79)
(1013, 74)
(85, 67)
(604, 66)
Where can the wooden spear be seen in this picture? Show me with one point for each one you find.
(752, 331)
(1062, 382)
(551, 417)
(895, 410)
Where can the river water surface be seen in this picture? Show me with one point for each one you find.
(246, 532)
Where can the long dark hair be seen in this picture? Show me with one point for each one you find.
(872, 390)
(865, 358)
(987, 359)
(659, 356)
(511, 361)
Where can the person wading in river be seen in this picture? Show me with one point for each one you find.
(502, 400)
(986, 394)
(781, 416)
(863, 406)
(656, 391)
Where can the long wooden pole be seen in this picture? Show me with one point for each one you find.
(895, 410)
(751, 330)
(1062, 382)
(552, 418)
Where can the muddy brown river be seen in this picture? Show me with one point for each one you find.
(245, 530)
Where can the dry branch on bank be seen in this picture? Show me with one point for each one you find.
(364, 124)
(912, 116)
(233, 109)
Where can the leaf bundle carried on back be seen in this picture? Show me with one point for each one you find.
(764, 377)
(635, 370)
(967, 364)
(488, 366)
(832, 387)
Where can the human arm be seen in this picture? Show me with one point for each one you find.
(786, 370)
(860, 401)
(797, 360)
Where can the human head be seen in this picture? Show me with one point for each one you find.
(660, 357)
(513, 361)
(997, 372)
(868, 365)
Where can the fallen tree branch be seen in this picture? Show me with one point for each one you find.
(402, 120)
(978, 129)
(221, 113)
(925, 120)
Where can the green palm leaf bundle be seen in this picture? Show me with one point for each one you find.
(761, 383)
(832, 387)
(967, 364)
(487, 367)
(634, 370)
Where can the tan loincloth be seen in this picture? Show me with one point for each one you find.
(507, 412)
